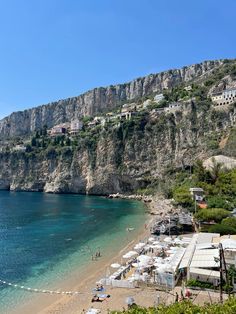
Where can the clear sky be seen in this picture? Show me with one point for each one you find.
(53, 49)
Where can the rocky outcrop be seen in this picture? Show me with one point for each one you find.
(122, 158)
(226, 162)
(99, 99)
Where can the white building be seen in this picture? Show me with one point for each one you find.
(75, 126)
(188, 88)
(158, 97)
(173, 106)
(201, 257)
(19, 148)
(228, 96)
(128, 107)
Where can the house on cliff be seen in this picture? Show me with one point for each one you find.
(225, 97)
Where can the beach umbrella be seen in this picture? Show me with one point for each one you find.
(130, 254)
(144, 260)
(136, 265)
(115, 265)
(151, 239)
(139, 246)
(93, 311)
(129, 300)
(168, 239)
(178, 241)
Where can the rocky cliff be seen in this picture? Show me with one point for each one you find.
(100, 99)
(124, 157)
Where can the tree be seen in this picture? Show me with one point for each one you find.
(216, 170)
(68, 141)
(28, 148)
(37, 134)
(44, 132)
(222, 229)
(33, 142)
(199, 171)
(229, 222)
(182, 196)
(208, 214)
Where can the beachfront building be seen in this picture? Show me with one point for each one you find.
(75, 126)
(226, 97)
(201, 258)
(229, 245)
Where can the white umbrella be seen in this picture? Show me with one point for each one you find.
(136, 265)
(144, 259)
(158, 246)
(115, 265)
(151, 239)
(129, 300)
(93, 311)
(167, 239)
(178, 241)
(130, 254)
(139, 246)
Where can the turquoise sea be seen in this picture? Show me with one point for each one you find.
(45, 237)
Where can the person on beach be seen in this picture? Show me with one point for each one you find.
(176, 297)
(188, 294)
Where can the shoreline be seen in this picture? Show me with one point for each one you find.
(49, 304)
(62, 305)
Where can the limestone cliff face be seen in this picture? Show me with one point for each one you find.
(99, 99)
(122, 158)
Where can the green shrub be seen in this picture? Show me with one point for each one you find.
(222, 229)
(185, 307)
(200, 284)
(215, 201)
(182, 196)
(208, 214)
(229, 222)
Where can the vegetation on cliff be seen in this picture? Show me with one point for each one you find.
(150, 152)
(219, 187)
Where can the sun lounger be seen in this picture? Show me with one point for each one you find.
(100, 297)
(93, 311)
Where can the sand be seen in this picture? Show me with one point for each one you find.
(49, 304)
(144, 296)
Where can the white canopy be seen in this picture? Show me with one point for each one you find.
(139, 246)
(130, 254)
(151, 239)
(115, 265)
(228, 244)
(144, 260)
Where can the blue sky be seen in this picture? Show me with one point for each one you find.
(53, 49)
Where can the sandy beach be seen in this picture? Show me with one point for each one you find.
(49, 304)
(85, 282)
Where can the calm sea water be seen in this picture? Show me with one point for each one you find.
(44, 237)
